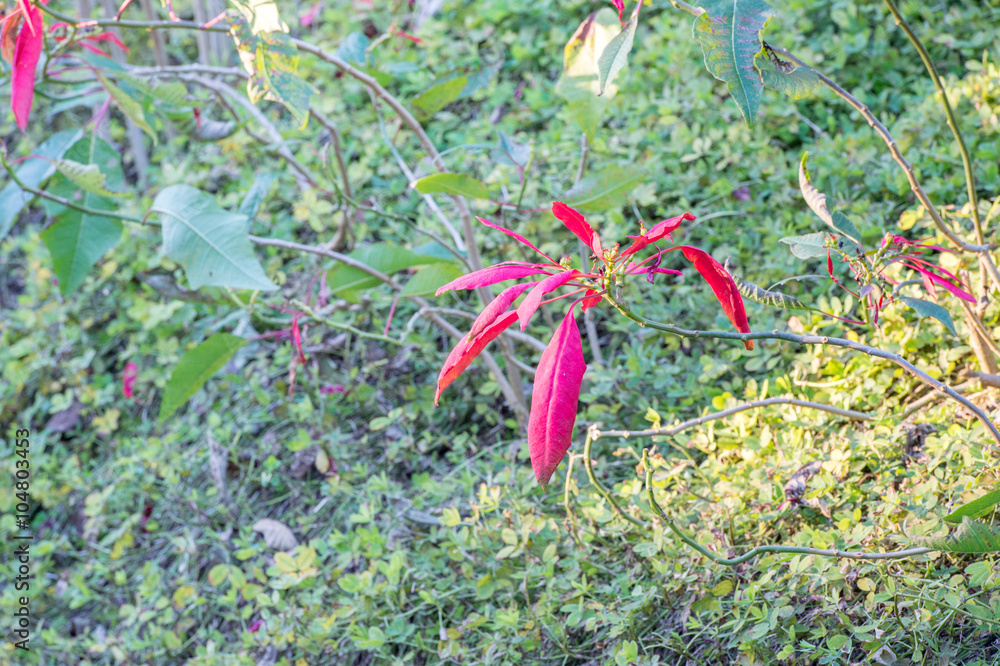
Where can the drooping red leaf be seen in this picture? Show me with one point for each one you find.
(620, 6)
(297, 339)
(26, 55)
(128, 378)
(108, 36)
(534, 297)
(642, 270)
(579, 226)
(555, 398)
(91, 47)
(491, 275)
(723, 285)
(516, 236)
(467, 350)
(497, 307)
(936, 279)
(590, 299)
(659, 231)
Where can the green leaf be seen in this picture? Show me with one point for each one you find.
(845, 227)
(33, 172)
(352, 49)
(76, 240)
(346, 281)
(927, 309)
(127, 104)
(614, 57)
(87, 177)
(579, 84)
(453, 183)
(261, 15)
(976, 508)
(427, 280)
(194, 369)
(210, 243)
(815, 199)
(436, 98)
(272, 60)
(606, 190)
(970, 537)
(259, 188)
(785, 76)
(729, 34)
(807, 246)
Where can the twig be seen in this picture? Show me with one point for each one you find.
(587, 463)
(934, 396)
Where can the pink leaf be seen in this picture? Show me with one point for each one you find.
(590, 299)
(579, 226)
(555, 398)
(26, 55)
(724, 287)
(620, 6)
(516, 236)
(534, 297)
(110, 37)
(91, 47)
(297, 340)
(642, 270)
(934, 278)
(128, 378)
(497, 307)
(467, 350)
(657, 233)
(491, 275)
(307, 19)
(121, 10)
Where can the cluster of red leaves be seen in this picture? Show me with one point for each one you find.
(559, 374)
(21, 40)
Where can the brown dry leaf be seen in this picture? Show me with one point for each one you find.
(277, 535)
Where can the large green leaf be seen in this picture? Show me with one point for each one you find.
(272, 60)
(87, 177)
(453, 183)
(606, 190)
(194, 369)
(580, 83)
(785, 76)
(808, 246)
(970, 537)
(427, 280)
(77, 240)
(209, 242)
(615, 55)
(976, 508)
(729, 34)
(927, 309)
(33, 173)
(346, 281)
(436, 98)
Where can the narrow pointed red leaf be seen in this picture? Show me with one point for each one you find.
(620, 6)
(937, 279)
(555, 398)
(128, 378)
(516, 236)
(723, 285)
(590, 299)
(297, 340)
(534, 297)
(659, 231)
(642, 270)
(26, 55)
(466, 351)
(575, 222)
(497, 307)
(491, 275)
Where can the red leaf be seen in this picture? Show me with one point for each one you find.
(26, 54)
(497, 307)
(297, 340)
(724, 287)
(121, 10)
(620, 6)
(654, 269)
(933, 277)
(491, 275)
(128, 378)
(534, 297)
(575, 223)
(8, 36)
(590, 299)
(657, 233)
(516, 236)
(91, 47)
(466, 351)
(110, 37)
(555, 398)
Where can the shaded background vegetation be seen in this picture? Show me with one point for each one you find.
(423, 535)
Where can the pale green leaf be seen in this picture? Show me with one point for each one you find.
(970, 537)
(729, 34)
(785, 76)
(259, 188)
(453, 183)
(87, 177)
(976, 508)
(427, 280)
(845, 227)
(346, 281)
(127, 104)
(210, 243)
(194, 369)
(262, 15)
(352, 49)
(815, 199)
(579, 84)
(808, 246)
(927, 309)
(614, 57)
(606, 190)
(436, 98)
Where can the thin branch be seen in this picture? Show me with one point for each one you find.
(813, 340)
(587, 463)
(934, 396)
(789, 550)
(970, 182)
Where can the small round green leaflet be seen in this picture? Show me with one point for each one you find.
(194, 369)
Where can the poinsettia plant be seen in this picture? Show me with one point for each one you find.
(560, 370)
